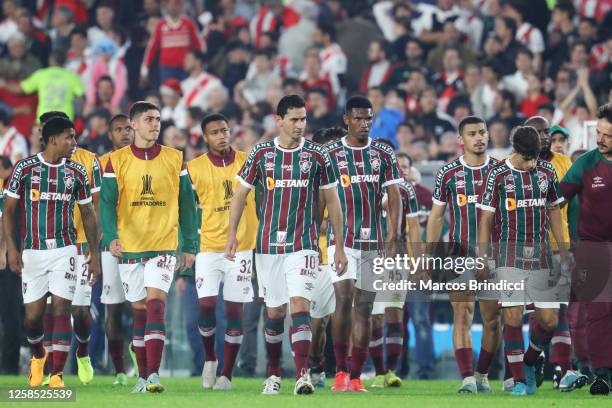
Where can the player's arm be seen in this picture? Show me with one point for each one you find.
(8, 216)
(414, 231)
(188, 219)
(394, 202)
(90, 224)
(109, 198)
(556, 227)
(434, 225)
(236, 209)
(334, 209)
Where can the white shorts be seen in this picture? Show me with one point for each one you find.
(323, 301)
(284, 276)
(82, 293)
(112, 289)
(154, 273)
(211, 268)
(379, 307)
(472, 275)
(359, 268)
(536, 288)
(49, 270)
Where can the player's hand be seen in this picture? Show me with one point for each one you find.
(230, 248)
(390, 247)
(567, 263)
(180, 285)
(15, 262)
(115, 248)
(484, 273)
(93, 269)
(187, 260)
(340, 261)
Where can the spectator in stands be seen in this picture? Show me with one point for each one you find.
(429, 26)
(449, 80)
(105, 16)
(318, 114)
(172, 109)
(500, 147)
(559, 137)
(379, 68)
(107, 65)
(62, 23)
(95, 138)
(405, 136)
(8, 26)
(199, 84)
(313, 78)
(18, 64)
(78, 58)
(237, 65)
(12, 143)
(517, 82)
(579, 55)
(454, 40)
(333, 59)
(37, 42)
(259, 76)
(527, 34)
(535, 96)
(505, 30)
(412, 59)
(389, 118)
(434, 122)
(563, 20)
(173, 37)
(506, 109)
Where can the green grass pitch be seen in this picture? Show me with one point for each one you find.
(187, 392)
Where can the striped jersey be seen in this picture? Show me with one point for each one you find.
(288, 183)
(459, 186)
(363, 172)
(410, 206)
(94, 174)
(519, 200)
(47, 193)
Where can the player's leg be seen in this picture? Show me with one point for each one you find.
(514, 348)
(237, 290)
(34, 331)
(113, 297)
(317, 348)
(48, 339)
(599, 335)
(82, 318)
(394, 340)
(491, 336)
(132, 280)
(362, 320)
(157, 280)
(208, 274)
(463, 315)
(540, 334)
(576, 318)
(376, 344)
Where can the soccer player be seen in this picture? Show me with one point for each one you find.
(520, 205)
(290, 172)
(391, 311)
(561, 341)
(145, 194)
(459, 185)
(590, 178)
(214, 179)
(120, 134)
(365, 168)
(46, 186)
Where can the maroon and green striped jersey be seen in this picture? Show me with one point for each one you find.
(288, 181)
(410, 206)
(519, 200)
(459, 186)
(47, 194)
(363, 173)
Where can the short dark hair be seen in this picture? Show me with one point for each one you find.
(525, 51)
(326, 135)
(291, 82)
(406, 156)
(140, 107)
(51, 114)
(566, 6)
(357, 102)
(6, 162)
(547, 107)
(506, 95)
(510, 25)
(469, 120)
(55, 126)
(117, 117)
(605, 112)
(213, 117)
(526, 141)
(198, 55)
(287, 102)
(327, 29)
(5, 118)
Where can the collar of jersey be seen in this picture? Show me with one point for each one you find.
(278, 146)
(42, 159)
(509, 164)
(152, 152)
(222, 161)
(462, 160)
(356, 147)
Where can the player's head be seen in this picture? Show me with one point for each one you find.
(327, 135)
(146, 121)
(540, 123)
(59, 136)
(404, 162)
(526, 147)
(604, 129)
(358, 115)
(216, 131)
(473, 135)
(120, 131)
(291, 117)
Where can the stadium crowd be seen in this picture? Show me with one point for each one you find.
(424, 65)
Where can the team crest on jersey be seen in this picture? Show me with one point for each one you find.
(375, 162)
(542, 182)
(305, 166)
(69, 180)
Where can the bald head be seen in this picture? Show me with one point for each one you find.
(540, 123)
